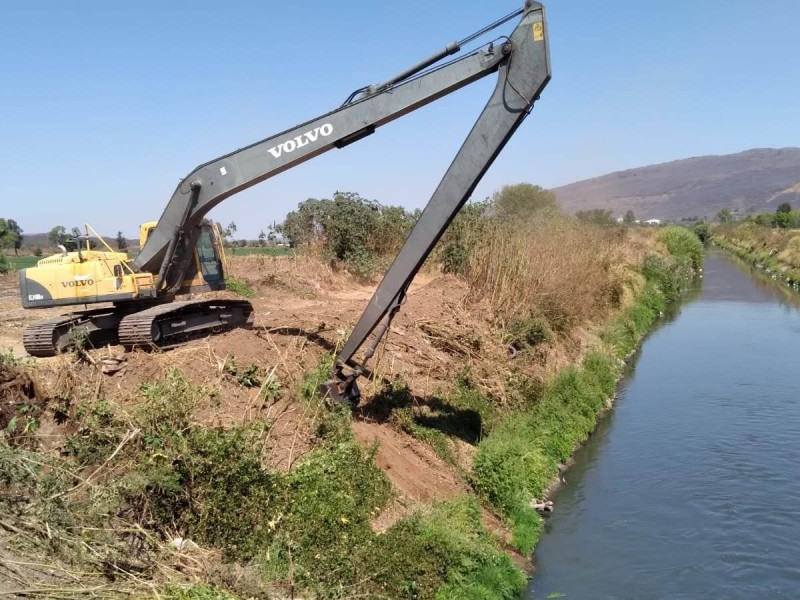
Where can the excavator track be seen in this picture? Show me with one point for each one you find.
(170, 325)
(52, 336)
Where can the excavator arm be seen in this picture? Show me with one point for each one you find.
(523, 74)
(523, 66)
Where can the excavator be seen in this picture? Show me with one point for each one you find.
(182, 253)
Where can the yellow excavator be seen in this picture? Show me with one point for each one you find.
(142, 310)
(181, 252)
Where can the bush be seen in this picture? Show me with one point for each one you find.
(700, 229)
(349, 229)
(683, 245)
(559, 267)
(4, 268)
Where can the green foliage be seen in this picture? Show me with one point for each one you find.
(596, 216)
(785, 219)
(725, 215)
(784, 208)
(683, 245)
(98, 433)
(248, 376)
(58, 236)
(10, 234)
(446, 544)
(458, 241)
(528, 333)
(627, 328)
(349, 229)
(523, 201)
(199, 591)
(3, 264)
(520, 457)
(701, 230)
(239, 287)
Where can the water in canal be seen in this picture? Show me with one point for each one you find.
(691, 487)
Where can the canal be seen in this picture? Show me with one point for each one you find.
(690, 488)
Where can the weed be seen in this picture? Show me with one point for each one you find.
(239, 287)
(248, 376)
(528, 332)
(683, 244)
(198, 591)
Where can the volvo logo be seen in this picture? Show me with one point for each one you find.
(81, 283)
(301, 140)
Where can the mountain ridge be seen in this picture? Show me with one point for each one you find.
(751, 181)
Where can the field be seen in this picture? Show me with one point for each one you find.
(22, 262)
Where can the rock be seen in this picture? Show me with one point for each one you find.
(184, 545)
(542, 505)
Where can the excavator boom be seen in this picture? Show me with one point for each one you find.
(179, 252)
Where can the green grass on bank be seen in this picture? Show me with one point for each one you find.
(521, 456)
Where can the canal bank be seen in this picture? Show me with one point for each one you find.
(689, 489)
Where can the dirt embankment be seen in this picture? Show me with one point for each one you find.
(304, 309)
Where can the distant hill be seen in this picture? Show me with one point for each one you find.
(749, 182)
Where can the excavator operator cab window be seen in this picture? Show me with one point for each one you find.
(210, 264)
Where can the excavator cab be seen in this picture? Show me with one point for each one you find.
(206, 270)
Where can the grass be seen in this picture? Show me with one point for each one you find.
(775, 251)
(239, 287)
(558, 267)
(260, 251)
(21, 262)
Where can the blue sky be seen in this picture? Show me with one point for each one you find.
(106, 106)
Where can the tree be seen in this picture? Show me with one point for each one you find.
(262, 239)
(524, 201)
(57, 235)
(37, 251)
(596, 216)
(629, 218)
(122, 243)
(725, 215)
(227, 232)
(784, 207)
(10, 235)
(784, 219)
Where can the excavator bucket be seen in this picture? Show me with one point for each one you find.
(339, 392)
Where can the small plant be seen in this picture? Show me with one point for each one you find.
(239, 287)
(248, 376)
(527, 333)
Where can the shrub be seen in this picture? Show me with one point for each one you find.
(683, 245)
(349, 229)
(559, 267)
